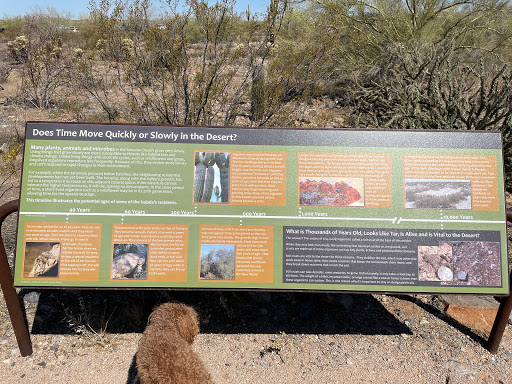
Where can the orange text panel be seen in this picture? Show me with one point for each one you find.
(481, 171)
(373, 168)
(258, 178)
(78, 251)
(253, 247)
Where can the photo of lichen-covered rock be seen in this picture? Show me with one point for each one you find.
(217, 262)
(331, 192)
(129, 261)
(438, 194)
(435, 263)
(476, 263)
(41, 259)
(211, 177)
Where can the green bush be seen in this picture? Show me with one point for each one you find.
(423, 89)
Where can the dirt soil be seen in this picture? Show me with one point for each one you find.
(89, 336)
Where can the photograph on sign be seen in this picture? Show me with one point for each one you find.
(331, 191)
(41, 259)
(438, 194)
(211, 177)
(129, 261)
(217, 262)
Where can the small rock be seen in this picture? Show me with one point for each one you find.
(7, 361)
(42, 364)
(404, 336)
(461, 369)
(444, 274)
(508, 353)
(385, 299)
(31, 297)
(424, 322)
(462, 276)
(333, 343)
(15, 351)
(54, 348)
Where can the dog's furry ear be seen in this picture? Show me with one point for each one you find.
(187, 323)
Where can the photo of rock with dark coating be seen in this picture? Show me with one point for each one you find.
(331, 192)
(129, 261)
(435, 263)
(476, 263)
(438, 194)
(211, 177)
(41, 259)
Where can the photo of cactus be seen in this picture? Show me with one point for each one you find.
(211, 177)
(331, 192)
(438, 194)
(217, 262)
(129, 261)
(41, 259)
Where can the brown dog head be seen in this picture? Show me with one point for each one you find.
(180, 316)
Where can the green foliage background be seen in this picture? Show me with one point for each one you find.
(407, 64)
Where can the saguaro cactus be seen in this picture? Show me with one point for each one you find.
(222, 161)
(258, 93)
(204, 176)
(208, 185)
(199, 177)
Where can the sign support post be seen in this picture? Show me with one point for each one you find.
(11, 297)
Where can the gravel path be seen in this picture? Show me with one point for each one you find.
(247, 338)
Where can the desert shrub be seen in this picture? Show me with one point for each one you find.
(196, 70)
(10, 167)
(427, 89)
(12, 27)
(367, 28)
(43, 71)
(42, 54)
(18, 49)
(218, 264)
(94, 82)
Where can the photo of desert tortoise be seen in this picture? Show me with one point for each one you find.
(128, 264)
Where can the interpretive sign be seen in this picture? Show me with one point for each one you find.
(194, 207)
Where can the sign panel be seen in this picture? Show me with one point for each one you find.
(194, 207)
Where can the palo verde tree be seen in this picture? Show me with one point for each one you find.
(368, 27)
